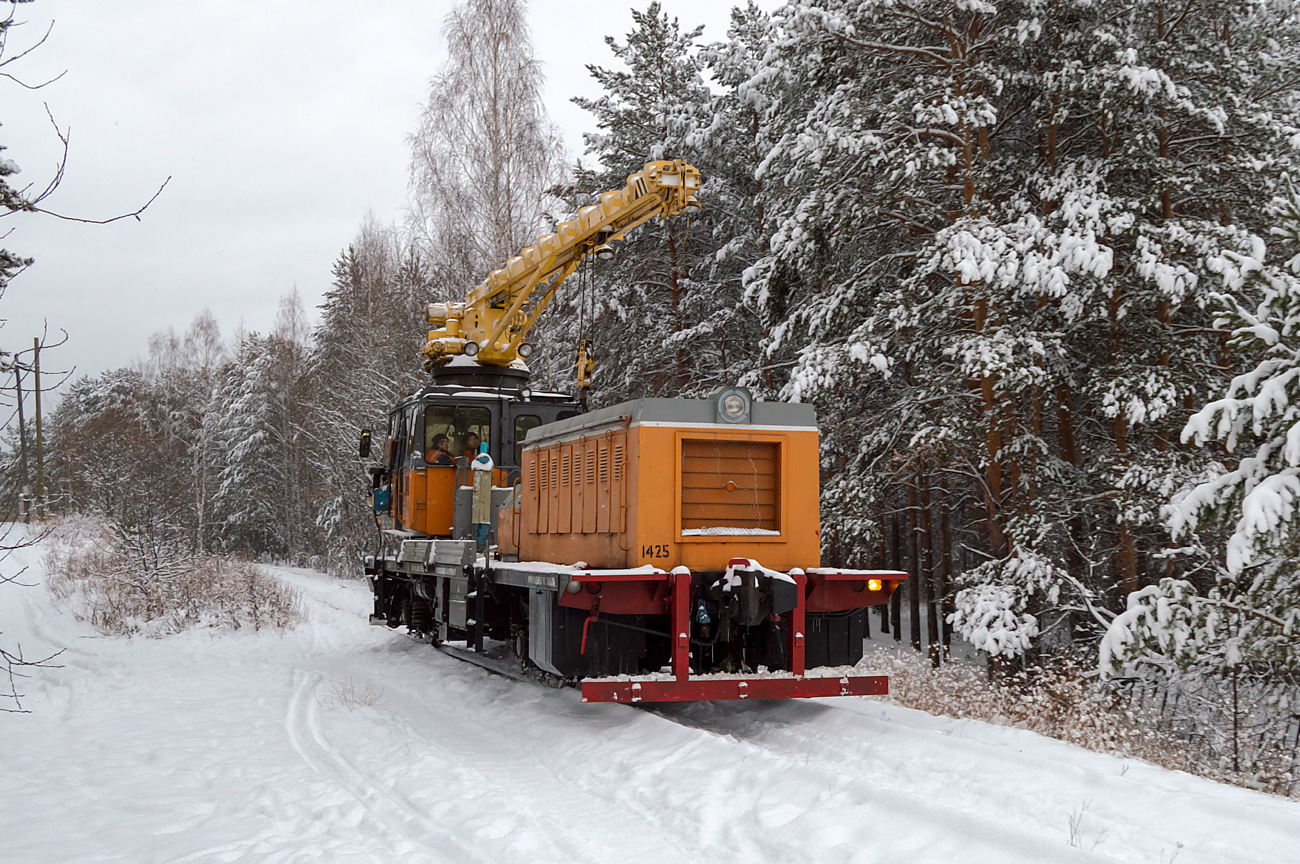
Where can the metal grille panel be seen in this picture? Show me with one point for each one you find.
(731, 485)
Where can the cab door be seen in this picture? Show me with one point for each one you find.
(403, 466)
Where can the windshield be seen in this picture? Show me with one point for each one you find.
(455, 430)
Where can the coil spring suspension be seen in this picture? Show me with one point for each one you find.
(421, 616)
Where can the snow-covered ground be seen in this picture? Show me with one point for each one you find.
(340, 742)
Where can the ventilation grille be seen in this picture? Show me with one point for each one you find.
(731, 484)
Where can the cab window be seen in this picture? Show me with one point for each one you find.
(412, 420)
(464, 427)
(523, 423)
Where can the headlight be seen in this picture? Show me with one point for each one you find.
(692, 205)
(605, 252)
(470, 349)
(874, 585)
(526, 350)
(733, 405)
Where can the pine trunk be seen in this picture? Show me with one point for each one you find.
(914, 584)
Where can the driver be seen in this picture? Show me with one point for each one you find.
(438, 454)
(471, 445)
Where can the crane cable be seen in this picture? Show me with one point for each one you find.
(581, 355)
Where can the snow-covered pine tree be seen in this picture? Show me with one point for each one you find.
(991, 256)
(1228, 625)
(641, 310)
(885, 136)
(732, 144)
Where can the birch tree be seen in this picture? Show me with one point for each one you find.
(485, 152)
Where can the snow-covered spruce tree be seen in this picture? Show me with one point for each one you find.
(994, 229)
(247, 414)
(10, 263)
(12, 199)
(261, 502)
(364, 356)
(1232, 625)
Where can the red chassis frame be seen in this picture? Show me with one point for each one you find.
(820, 590)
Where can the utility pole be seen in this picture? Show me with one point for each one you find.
(22, 429)
(40, 452)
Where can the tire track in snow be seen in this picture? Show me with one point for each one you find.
(392, 809)
(555, 816)
(840, 773)
(913, 755)
(665, 770)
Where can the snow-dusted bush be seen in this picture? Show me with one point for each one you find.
(126, 582)
(1164, 723)
(991, 612)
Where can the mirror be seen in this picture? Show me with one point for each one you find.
(365, 443)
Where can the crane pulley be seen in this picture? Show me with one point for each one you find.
(495, 318)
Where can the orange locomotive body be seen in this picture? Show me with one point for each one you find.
(661, 482)
(668, 513)
(662, 549)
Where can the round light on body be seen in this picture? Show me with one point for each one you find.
(526, 350)
(605, 252)
(692, 205)
(732, 405)
(874, 585)
(470, 349)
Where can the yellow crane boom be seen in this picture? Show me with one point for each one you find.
(495, 318)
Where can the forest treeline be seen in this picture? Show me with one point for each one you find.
(1037, 265)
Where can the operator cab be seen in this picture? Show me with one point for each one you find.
(435, 432)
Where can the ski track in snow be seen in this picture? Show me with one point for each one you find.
(343, 742)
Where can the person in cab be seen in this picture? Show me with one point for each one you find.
(438, 455)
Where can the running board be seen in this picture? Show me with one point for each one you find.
(494, 665)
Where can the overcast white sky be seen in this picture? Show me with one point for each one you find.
(281, 123)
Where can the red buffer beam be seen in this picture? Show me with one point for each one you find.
(701, 689)
(683, 688)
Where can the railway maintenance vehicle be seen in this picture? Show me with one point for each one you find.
(654, 550)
